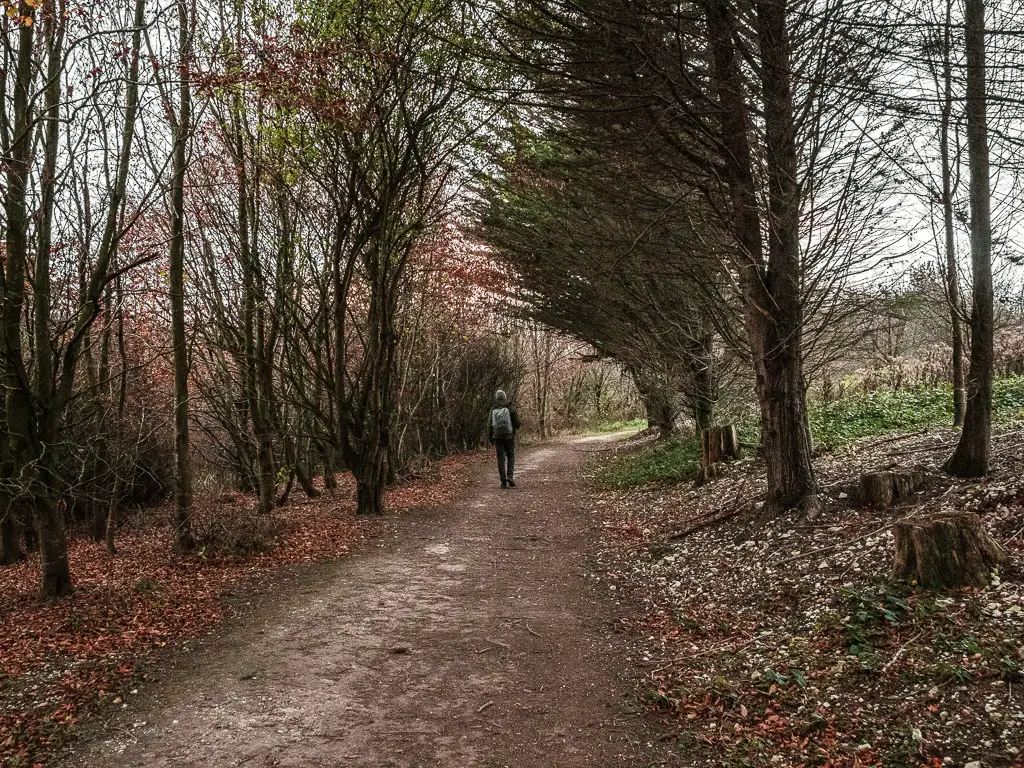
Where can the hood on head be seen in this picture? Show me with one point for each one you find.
(500, 397)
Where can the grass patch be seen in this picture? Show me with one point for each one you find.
(879, 413)
(833, 425)
(609, 427)
(905, 410)
(667, 463)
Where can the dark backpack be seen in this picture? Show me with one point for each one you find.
(501, 422)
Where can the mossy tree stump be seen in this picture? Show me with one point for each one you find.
(880, 489)
(944, 552)
(717, 444)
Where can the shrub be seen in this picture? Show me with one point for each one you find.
(234, 530)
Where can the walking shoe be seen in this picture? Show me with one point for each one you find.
(511, 483)
(504, 484)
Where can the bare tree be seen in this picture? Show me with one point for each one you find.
(971, 456)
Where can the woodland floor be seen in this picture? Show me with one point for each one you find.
(553, 625)
(473, 635)
(788, 645)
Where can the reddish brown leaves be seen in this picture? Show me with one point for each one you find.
(59, 662)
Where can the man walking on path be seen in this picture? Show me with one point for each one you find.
(501, 431)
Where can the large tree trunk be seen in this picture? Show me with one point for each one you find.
(946, 552)
(370, 464)
(184, 541)
(370, 471)
(773, 311)
(971, 456)
(53, 551)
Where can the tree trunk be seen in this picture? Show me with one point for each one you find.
(122, 399)
(881, 489)
(327, 457)
(971, 456)
(10, 537)
(305, 481)
(952, 272)
(55, 573)
(370, 487)
(25, 452)
(282, 499)
(664, 412)
(112, 509)
(717, 444)
(184, 541)
(786, 431)
(946, 552)
(703, 386)
(772, 302)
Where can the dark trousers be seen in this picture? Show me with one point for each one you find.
(506, 448)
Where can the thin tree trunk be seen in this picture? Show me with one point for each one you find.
(122, 400)
(952, 274)
(327, 457)
(184, 541)
(703, 387)
(971, 456)
(252, 322)
(305, 481)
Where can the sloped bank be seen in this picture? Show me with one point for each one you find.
(789, 646)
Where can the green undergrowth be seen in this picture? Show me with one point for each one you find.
(610, 427)
(905, 410)
(665, 463)
(833, 425)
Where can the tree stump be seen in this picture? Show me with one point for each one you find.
(944, 552)
(880, 489)
(717, 444)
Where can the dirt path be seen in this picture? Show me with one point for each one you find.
(469, 638)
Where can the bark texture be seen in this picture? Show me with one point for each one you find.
(771, 274)
(717, 444)
(971, 456)
(881, 489)
(946, 552)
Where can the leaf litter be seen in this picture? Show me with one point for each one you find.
(63, 662)
(788, 646)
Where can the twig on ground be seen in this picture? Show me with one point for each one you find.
(485, 706)
(832, 547)
(900, 653)
(704, 523)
